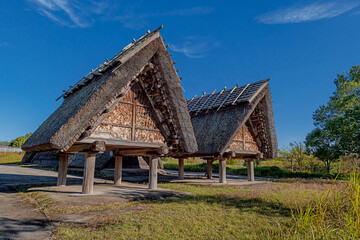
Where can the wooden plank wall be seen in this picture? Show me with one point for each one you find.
(244, 140)
(131, 119)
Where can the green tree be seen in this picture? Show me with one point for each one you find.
(296, 153)
(338, 123)
(19, 141)
(340, 118)
(323, 146)
(287, 155)
(4, 142)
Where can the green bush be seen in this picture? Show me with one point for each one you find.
(273, 172)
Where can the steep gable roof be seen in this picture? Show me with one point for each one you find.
(93, 97)
(217, 118)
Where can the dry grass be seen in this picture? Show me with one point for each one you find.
(6, 158)
(334, 215)
(212, 212)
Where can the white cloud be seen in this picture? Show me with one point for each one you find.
(194, 47)
(70, 13)
(306, 13)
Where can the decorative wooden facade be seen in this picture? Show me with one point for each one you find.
(131, 105)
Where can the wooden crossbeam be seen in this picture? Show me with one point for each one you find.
(212, 104)
(205, 102)
(193, 107)
(227, 97)
(240, 93)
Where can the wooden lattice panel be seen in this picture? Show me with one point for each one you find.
(149, 136)
(144, 118)
(237, 145)
(121, 114)
(131, 119)
(112, 132)
(244, 140)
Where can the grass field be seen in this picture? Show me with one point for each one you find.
(6, 158)
(211, 212)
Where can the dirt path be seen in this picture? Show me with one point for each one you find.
(19, 220)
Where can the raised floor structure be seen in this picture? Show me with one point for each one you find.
(233, 123)
(131, 105)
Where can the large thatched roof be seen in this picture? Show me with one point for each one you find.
(91, 97)
(217, 117)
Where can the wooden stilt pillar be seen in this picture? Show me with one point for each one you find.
(209, 168)
(89, 170)
(118, 170)
(62, 171)
(153, 178)
(222, 171)
(181, 168)
(250, 170)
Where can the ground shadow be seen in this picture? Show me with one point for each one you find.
(17, 229)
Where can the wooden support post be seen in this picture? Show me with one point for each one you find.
(209, 168)
(89, 170)
(181, 168)
(222, 171)
(153, 178)
(62, 171)
(250, 170)
(118, 170)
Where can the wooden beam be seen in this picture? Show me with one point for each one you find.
(163, 150)
(209, 168)
(62, 171)
(89, 170)
(133, 120)
(153, 178)
(118, 170)
(98, 146)
(230, 153)
(122, 143)
(250, 170)
(94, 146)
(222, 171)
(181, 169)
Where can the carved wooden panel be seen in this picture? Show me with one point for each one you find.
(244, 140)
(131, 119)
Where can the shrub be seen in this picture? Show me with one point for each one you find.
(271, 172)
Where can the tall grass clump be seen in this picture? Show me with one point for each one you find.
(336, 215)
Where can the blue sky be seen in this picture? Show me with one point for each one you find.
(48, 45)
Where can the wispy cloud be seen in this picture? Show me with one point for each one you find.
(4, 44)
(194, 47)
(139, 20)
(71, 13)
(305, 13)
(78, 13)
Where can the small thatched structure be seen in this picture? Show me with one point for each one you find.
(131, 105)
(234, 123)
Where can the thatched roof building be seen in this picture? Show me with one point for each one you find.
(235, 122)
(132, 105)
(132, 101)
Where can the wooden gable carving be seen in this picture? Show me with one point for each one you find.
(131, 119)
(245, 139)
